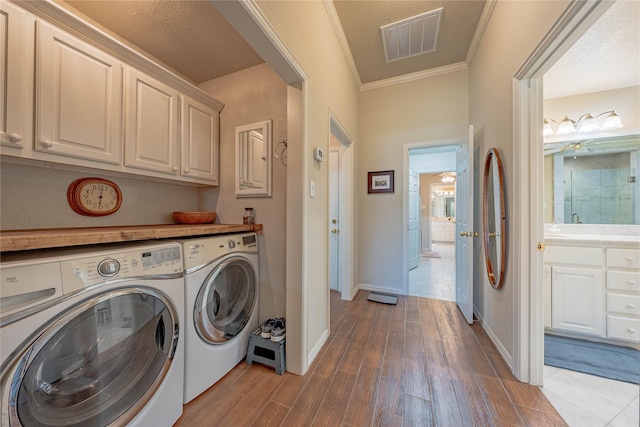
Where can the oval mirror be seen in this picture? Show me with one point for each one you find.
(494, 218)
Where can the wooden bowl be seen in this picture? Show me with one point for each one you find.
(194, 217)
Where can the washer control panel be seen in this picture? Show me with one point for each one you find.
(136, 263)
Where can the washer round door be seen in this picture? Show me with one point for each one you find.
(225, 301)
(97, 363)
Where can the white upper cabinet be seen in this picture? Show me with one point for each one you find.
(78, 98)
(151, 136)
(200, 133)
(16, 80)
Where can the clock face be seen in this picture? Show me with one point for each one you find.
(94, 196)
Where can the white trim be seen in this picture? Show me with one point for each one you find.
(406, 78)
(528, 215)
(342, 40)
(313, 353)
(346, 218)
(498, 344)
(485, 17)
(377, 288)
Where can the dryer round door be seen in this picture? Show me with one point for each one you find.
(97, 363)
(225, 301)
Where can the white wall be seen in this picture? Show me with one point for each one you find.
(513, 32)
(425, 110)
(36, 197)
(253, 95)
(305, 29)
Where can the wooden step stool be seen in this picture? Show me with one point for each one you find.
(265, 351)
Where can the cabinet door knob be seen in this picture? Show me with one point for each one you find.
(631, 305)
(47, 144)
(631, 330)
(175, 169)
(186, 171)
(11, 137)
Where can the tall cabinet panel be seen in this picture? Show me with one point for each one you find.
(577, 295)
(151, 136)
(16, 80)
(200, 129)
(79, 98)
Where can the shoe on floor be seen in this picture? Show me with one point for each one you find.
(278, 330)
(267, 327)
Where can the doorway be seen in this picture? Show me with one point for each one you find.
(431, 218)
(340, 209)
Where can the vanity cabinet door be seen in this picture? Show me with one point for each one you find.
(151, 134)
(16, 80)
(577, 300)
(78, 99)
(200, 140)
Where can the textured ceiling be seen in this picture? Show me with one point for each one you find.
(361, 21)
(606, 57)
(189, 36)
(192, 38)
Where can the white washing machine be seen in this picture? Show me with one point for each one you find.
(221, 306)
(92, 336)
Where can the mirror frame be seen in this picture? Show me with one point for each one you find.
(242, 160)
(496, 278)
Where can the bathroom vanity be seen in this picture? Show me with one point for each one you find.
(592, 284)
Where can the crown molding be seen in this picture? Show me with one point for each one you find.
(487, 11)
(406, 78)
(342, 40)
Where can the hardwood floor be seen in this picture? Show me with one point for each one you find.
(413, 364)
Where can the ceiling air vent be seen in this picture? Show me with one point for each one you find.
(412, 36)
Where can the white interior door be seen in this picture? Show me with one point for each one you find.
(334, 216)
(414, 221)
(464, 227)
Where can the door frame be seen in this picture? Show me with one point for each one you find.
(528, 298)
(406, 148)
(345, 212)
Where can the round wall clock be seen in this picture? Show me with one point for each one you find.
(94, 196)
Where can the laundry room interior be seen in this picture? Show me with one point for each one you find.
(263, 156)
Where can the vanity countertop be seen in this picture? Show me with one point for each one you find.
(21, 240)
(591, 238)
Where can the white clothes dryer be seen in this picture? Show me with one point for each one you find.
(221, 296)
(92, 336)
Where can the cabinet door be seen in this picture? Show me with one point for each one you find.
(577, 300)
(79, 98)
(151, 135)
(200, 140)
(16, 80)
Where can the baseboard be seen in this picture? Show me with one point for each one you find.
(382, 289)
(317, 347)
(508, 359)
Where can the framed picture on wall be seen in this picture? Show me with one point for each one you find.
(380, 182)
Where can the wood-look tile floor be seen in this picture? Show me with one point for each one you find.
(416, 363)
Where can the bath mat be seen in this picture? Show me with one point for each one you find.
(430, 254)
(593, 358)
(383, 298)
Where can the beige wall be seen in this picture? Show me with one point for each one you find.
(250, 96)
(330, 88)
(36, 197)
(514, 31)
(420, 111)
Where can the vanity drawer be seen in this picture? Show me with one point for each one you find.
(623, 258)
(573, 255)
(624, 328)
(623, 281)
(628, 305)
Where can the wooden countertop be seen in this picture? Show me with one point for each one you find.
(22, 240)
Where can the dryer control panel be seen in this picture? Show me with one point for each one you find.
(198, 252)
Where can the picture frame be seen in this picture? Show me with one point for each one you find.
(380, 182)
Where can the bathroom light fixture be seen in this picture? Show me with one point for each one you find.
(586, 123)
(448, 177)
